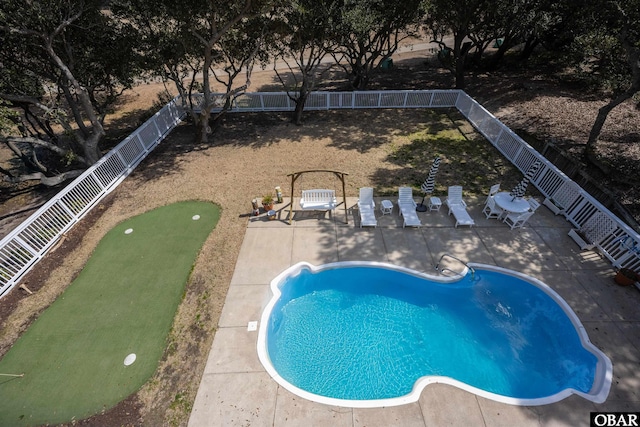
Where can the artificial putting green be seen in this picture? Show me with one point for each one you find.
(122, 302)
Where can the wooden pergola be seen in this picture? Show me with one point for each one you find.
(340, 175)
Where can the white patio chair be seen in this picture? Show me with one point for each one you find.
(454, 197)
(517, 220)
(408, 207)
(493, 191)
(366, 207)
(491, 210)
(458, 207)
(534, 204)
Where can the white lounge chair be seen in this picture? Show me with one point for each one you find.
(408, 207)
(454, 197)
(491, 210)
(517, 220)
(366, 207)
(458, 207)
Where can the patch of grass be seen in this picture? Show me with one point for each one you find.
(122, 302)
(467, 159)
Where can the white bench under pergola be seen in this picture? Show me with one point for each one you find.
(319, 199)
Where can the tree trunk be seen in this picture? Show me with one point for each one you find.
(49, 181)
(91, 148)
(598, 124)
(360, 80)
(202, 123)
(461, 59)
(300, 102)
(499, 55)
(460, 74)
(90, 143)
(202, 126)
(529, 46)
(633, 59)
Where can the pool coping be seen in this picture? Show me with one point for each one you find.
(235, 388)
(602, 377)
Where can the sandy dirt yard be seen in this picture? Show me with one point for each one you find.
(246, 158)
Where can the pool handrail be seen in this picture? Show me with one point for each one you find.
(463, 273)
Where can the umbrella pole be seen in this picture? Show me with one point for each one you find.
(421, 207)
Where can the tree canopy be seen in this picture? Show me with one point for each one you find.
(608, 50)
(305, 36)
(206, 34)
(64, 63)
(370, 31)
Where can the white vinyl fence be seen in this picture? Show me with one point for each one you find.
(28, 243)
(604, 230)
(279, 101)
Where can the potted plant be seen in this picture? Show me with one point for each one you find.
(626, 277)
(268, 202)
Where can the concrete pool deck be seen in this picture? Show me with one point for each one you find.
(236, 390)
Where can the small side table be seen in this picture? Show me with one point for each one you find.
(386, 207)
(435, 203)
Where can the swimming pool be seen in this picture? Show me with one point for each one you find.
(362, 334)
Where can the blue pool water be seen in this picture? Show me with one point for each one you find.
(362, 333)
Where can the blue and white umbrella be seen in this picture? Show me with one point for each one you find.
(519, 190)
(428, 185)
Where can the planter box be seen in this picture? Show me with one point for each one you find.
(584, 245)
(552, 207)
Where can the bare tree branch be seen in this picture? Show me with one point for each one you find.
(20, 99)
(49, 181)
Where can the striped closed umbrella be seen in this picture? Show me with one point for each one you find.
(429, 184)
(519, 190)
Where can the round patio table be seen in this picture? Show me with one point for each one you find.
(507, 203)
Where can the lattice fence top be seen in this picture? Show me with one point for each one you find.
(565, 195)
(598, 227)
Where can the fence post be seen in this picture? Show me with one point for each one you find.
(577, 214)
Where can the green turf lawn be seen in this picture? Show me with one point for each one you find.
(123, 302)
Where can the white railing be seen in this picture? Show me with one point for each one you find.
(28, 243)
(279, 101)
(621, 245)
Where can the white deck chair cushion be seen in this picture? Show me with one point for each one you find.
(408, 207)
(461, 215)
